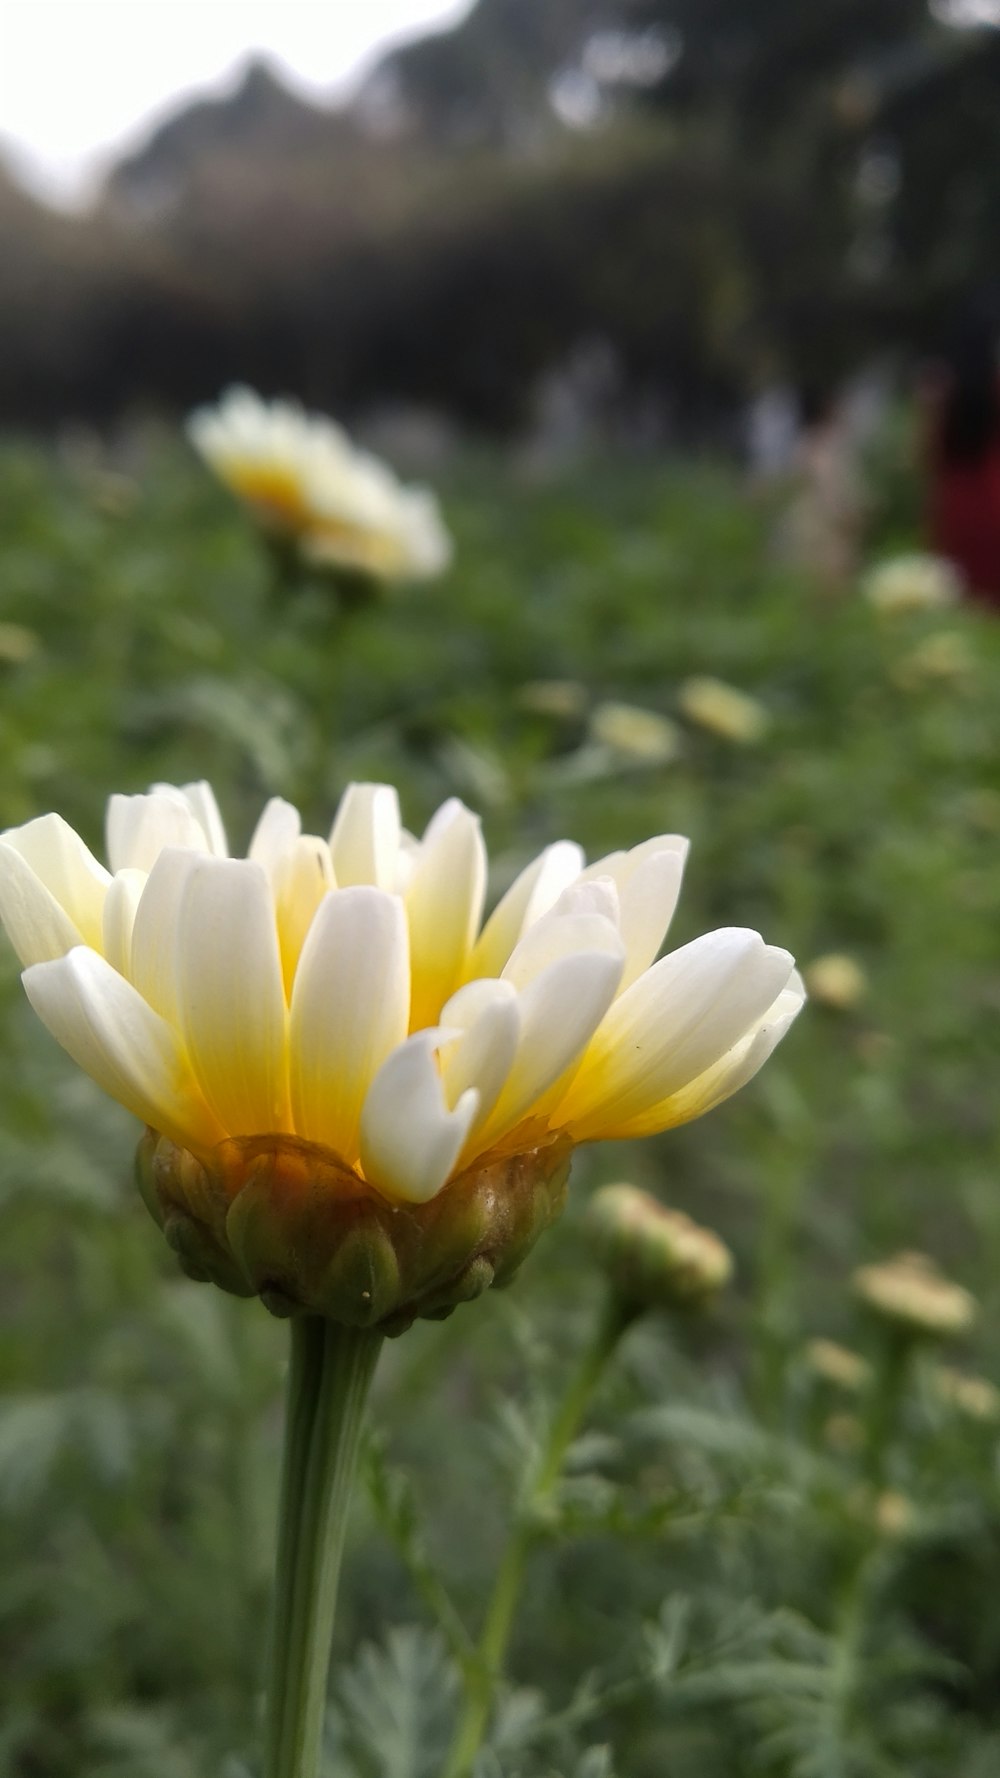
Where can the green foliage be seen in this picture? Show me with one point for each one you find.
(729, 1580)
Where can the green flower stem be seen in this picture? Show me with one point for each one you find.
(892, 1371)
(329, 1375)
(493, 1643)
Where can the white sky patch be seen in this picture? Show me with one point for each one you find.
(83, 80)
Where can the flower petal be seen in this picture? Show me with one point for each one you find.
(724, 1078)
(410, 1138)
(559, 1011)
(139, 828)
(674, 1022)
(364, 839)
(155, 942)
(530, 896)
(486, 1015)
(563, 935)
(110, 1032)
(648, 880)
(120, 906)
(67, 868)
(444, 903)
(275, 833)
(230, 993)
(200, 799)
(36, 925)
(301, 880)
(350, 1009)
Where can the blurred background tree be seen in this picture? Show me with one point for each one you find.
(718, 193)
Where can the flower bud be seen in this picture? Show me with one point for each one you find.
(285, 1220)
(913, 1295)
(655, 1257)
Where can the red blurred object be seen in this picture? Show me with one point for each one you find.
(963, 457)
(964, 516)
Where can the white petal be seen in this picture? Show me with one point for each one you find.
(648, 880)
(35, 923)
(232, 1002)
(69, 871)
(120, 905)
(594, 895)
(107, 1028)
(561, 935)
(301, 880)
(275, 833)
(674, 1022)
(200, 799)
(530, 896)
(444, 903)
(487, 1016)
(350, 1009)
(410, 1139)
(365, 836)
(559, 1012)
(720, 1082)
(155, 943)
(139, 828)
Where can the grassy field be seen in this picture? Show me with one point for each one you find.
(748, 1572)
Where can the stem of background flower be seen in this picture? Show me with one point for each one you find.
(617, 1316)
(329, 1375)
(892, 1369)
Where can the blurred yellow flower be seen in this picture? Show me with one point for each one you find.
(642, 735)
(895, 1515)
(911, 1292)
(838, 1365)
(723, 711)
(335, 1004)
(302, 478)
(914, 582)
(976, 1397)
(836, 980)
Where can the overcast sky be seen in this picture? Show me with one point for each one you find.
(81, 79)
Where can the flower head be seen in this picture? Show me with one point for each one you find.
(329, 1021)
(302, 478)
(838, 1365)
(911, 1293)
(915, 582)
(723, 710)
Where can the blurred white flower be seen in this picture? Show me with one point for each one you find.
(341, 990)
(642, 735)
(723, 710)
(301, 477)
(917, 582)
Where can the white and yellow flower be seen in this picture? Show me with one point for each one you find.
(301, 477)
(917, 581)
(342, 991)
